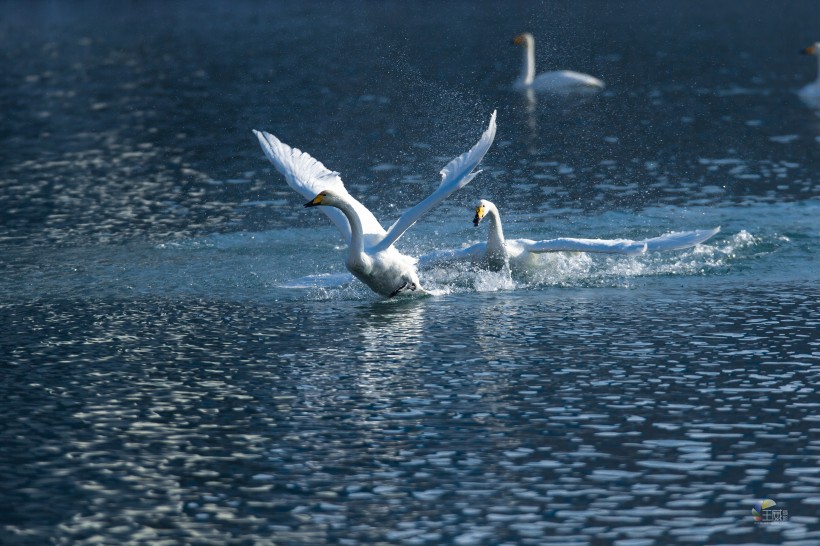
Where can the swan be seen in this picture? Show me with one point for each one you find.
(497, 252)
(811, 92)
(558, 81)
(371, 256)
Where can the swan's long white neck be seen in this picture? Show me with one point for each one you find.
(528, 64)
(495, 238)
(356, 232)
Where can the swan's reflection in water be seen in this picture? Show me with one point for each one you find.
(390, 334)
(530, 105)
(553, 107)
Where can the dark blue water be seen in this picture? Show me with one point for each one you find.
(171, 377)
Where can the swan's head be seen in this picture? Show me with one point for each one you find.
(524, 40)
(813, 49)
(483, 208)
(326, 198)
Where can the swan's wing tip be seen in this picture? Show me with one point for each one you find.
(491, 127)
(492, 124)
(708, 233)
(472, 157)
(268, 142)
(679, 240)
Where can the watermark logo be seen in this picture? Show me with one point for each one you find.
(766, 511)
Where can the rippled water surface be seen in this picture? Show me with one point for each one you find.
(185, 360)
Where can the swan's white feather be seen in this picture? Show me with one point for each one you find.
(679, 239)
(455, 174)
(569, 244)
(308, 176)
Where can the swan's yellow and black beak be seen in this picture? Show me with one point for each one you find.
(811, 50)
(518, 40)
(316, 200)
(480, 211)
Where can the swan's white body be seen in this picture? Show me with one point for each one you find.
(498, 252)
(558, 81)
(811, 92)
(371, 256)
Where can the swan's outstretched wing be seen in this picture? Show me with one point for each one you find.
(455, 175)
(449, 255)
(671, 241)
(608, 246)
(680, 239)
(308, 177)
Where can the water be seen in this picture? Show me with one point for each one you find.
(184, 362)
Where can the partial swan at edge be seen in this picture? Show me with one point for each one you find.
(811, 92)
(557, 81)
(498, 252)
(371, 257)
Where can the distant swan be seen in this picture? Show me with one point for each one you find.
(498, 252)
(811, 92)
(558, 81)
(371, 257)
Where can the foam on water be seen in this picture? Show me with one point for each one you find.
(564, 269)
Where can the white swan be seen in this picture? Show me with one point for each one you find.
(371, 257)
(558, 81)
(498, 252)
(811, 92)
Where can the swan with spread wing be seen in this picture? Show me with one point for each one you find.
(498, 252)
(371, 256)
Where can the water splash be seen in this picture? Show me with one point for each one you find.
(543, 271)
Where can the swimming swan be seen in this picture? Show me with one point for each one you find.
(811, 92)
(558, 81)
(499, 252)
(371, 257)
